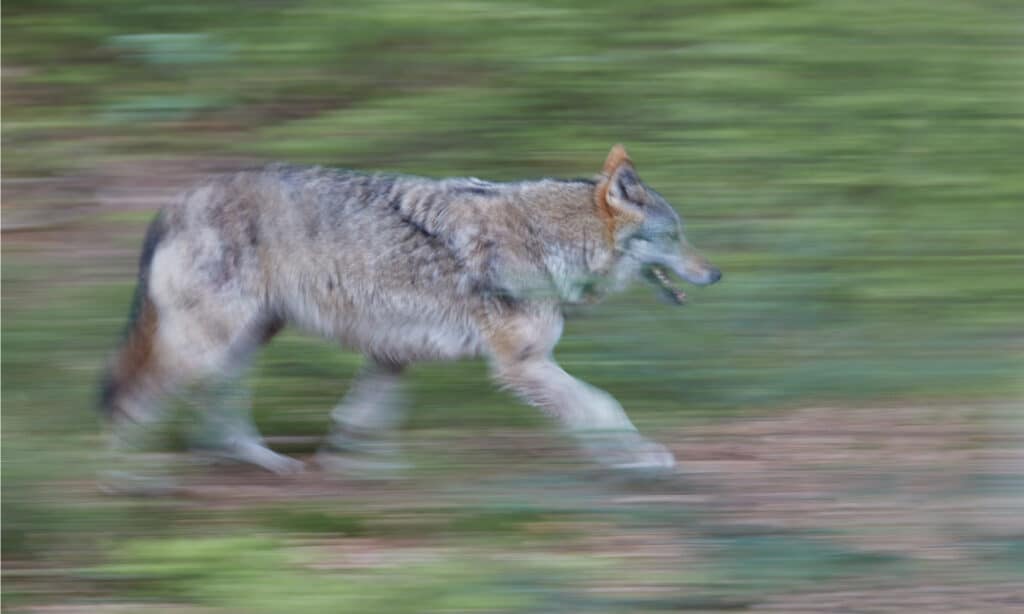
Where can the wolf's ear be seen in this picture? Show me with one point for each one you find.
(620, 194)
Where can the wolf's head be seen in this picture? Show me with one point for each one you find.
(646, 231)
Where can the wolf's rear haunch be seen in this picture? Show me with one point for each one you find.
(399, 268)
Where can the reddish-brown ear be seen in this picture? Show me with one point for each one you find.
(616, 158)
(618, 173)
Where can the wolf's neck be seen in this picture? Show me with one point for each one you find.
(577, 251)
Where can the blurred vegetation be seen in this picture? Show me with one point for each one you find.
(854, 169)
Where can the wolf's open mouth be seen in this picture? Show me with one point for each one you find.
(658, 275)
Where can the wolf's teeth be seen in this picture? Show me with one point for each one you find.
(666, 283)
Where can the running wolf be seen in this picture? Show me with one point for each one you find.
(402, 269)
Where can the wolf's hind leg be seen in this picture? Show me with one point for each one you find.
(364, 422)
(136, 431)
(227, 429)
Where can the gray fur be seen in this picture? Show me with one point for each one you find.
(406, 269)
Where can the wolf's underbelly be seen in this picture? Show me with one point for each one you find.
(412, 340)
(405, 335)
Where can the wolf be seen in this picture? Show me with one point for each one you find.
(401, 269)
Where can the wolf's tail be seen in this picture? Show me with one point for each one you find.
(135, 354)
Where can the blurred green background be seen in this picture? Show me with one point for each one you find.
(853, 167)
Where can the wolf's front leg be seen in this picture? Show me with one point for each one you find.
(591, 415)
(361, 439)
(522, 362)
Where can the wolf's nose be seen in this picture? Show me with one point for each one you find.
(715, 276)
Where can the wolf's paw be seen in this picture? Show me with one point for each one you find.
(648, 459)
(629, 453)
(264, 457)
(284, 465)
(255, 453)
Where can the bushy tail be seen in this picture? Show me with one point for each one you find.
(135, 354)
